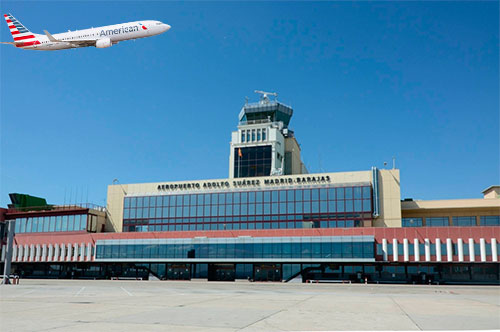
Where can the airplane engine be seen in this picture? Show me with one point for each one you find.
(103, 43)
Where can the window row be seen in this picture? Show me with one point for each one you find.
(238, 250)
(137, 227)
(254, 135)
(356, 205)
(69, 223)
(456, 221)
(250, 197)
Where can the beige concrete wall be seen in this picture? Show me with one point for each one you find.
(114, 208)
(451, 208)
(390, 199)
(101, 219)
(293, 147)
(492, 192)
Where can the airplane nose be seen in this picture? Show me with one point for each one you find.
(167, 27)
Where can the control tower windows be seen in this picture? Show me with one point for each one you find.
(252, 161)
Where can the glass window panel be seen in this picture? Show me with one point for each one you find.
(133, 202)
(348, 193)
(267, 196)
(464, 221)
(436, 221)
(282, 207)
(314, 207)
(367, 192)
(349, 205)
(340, 193)
(367, 205)
(83, 222)
(29, 224)
(412, 222)
(66, 225)
(323, 207)
(331, 194)
(490, 221)
(251, 197)
(20, 225)
(315, 194)
(307, 194)
(274, 196)
(222, 199)
(282, 195)
(52, 223)
(41, 222)
(140, 201)
(259, 197)
(340, 206)
(358, 193)
(298, 207)
(46, 224)
(59, 221)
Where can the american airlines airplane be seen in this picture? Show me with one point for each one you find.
(100, 37)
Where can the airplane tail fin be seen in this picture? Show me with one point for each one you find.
(19, 32)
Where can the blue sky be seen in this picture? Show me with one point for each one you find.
(367, 81)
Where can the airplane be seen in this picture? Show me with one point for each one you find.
(100, 37)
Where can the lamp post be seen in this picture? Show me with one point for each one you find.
(8, 257)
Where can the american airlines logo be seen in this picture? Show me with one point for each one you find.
(118, 31)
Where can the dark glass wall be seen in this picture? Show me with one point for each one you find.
(325, 207)
(253, 248)
(69, 223)
(252, 161)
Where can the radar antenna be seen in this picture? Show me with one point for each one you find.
(264, 99)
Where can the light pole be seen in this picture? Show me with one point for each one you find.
(8, 257)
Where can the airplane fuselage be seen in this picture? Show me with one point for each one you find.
(104, 36)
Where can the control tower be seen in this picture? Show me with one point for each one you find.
(263, 145)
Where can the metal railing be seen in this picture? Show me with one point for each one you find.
(251, 122)
(75, 206)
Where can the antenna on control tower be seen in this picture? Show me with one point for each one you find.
(264, 99)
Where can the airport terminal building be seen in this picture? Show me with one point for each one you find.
(270, 220)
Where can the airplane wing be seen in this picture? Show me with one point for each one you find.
(78, 43)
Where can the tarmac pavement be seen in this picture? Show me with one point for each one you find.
(105, 305)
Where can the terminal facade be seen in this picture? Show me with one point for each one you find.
(270, 220)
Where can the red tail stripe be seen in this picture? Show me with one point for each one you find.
(5, 15)
(23, 37)
(9, 21)
(12, 27)
(15, 32)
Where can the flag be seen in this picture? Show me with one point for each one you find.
(239, 153)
